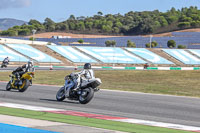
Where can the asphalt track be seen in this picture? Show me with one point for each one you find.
(160, 108)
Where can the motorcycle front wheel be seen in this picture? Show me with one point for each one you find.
(24, 86)
(8, 86)
(60, 96)
(86, 95)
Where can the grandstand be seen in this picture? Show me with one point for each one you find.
(32, 53)
(72, 54)
(94, 51)
(183, 56)
(14, 56)
(150, 56)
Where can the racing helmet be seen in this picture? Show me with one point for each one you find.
(30, 63)
(87, 66)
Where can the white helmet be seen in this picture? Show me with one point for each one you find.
(30, 63)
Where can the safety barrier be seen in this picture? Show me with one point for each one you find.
(127, 68)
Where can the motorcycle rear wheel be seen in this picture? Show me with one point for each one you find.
(60, 96)
(86, 95)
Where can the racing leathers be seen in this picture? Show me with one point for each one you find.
(87, 75)
(21, 70)
(6, 60)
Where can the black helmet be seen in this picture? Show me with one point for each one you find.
(87, 66)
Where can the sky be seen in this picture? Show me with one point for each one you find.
(60, 10)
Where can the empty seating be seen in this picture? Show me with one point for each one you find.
(195, 51)
(32, 53)
(148, 55)
(72, 54)
(14, 57)
(112, 55)
(183, 56)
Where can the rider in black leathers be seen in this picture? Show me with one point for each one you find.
(23, 69)
(6, 61)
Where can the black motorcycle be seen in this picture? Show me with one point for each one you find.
(83, 94)
(4, 64)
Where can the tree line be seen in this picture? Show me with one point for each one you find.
(131, 23)
(170, 44)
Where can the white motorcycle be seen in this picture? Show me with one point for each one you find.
(83, 94)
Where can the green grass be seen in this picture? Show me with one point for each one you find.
(184, 83)
(106, 124)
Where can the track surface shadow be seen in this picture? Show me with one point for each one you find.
(52, 100)
(10, 90)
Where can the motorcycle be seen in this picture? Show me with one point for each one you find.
(22, 84)
(83, 94)
(146, 65)
(4, 64)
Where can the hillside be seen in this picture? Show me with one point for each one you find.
(6, 23)
(71, 35)
(131, 23)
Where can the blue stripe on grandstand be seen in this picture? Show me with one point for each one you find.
(112, 55)
(183, 56)
(4, 52)
(148, 55)
(72, 54)
(32, 53)
(6, 128)
(194, 51)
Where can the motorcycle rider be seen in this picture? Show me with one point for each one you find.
(6, 60)
(146, 65)
(77, 77)
(23, 69)
(87, 73)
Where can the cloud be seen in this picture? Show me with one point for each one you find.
(14, 3)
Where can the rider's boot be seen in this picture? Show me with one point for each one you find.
(31, 82)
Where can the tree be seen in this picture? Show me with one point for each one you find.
(110, 43)
(49, 24)
(132, 23)
(9, 33)
(106, 28)
(195, 24)
(181, 46)
(99, 13)
(171, 44)
(72, 17)
(184, 25)
(32, 39)
(131, 44)
(24, 32)
(72, 26)
(61, 26)
(81, 41)
(80, 26)
(118, 24)
(89, 25)
(34, 22)
(153, 44)
(116, 30)
(163, 21)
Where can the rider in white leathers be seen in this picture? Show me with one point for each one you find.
(87, 73)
